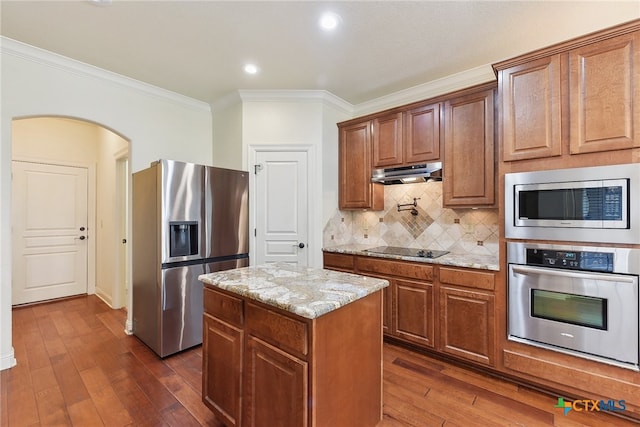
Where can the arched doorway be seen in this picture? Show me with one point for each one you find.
(59, 249)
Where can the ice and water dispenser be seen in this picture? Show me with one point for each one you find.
(183, 238)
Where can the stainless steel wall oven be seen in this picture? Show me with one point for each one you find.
(580, 300)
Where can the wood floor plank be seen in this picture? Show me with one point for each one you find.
(154, 364)
(160, 397)
(68, 378)
(104, 397)
(137, 403)
(189, 398)
(52, 408)
(43, 378)
(84, 413)
(178, 416)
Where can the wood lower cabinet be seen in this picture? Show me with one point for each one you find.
(276, 387)
(446, 309)
(222, 346)
(263, 366)
(408, 301)
(467, 324)
(414, 312)
(468, 314)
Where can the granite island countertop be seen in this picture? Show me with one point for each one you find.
(307, 292)
(482, 262)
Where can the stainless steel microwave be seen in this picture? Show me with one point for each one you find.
(594, 204)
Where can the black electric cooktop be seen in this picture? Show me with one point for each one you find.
(420, 253)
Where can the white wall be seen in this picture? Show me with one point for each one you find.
(298, 118)
(227, 133)
(159, 124)
(107, 233)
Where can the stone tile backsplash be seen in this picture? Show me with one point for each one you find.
(461, 231)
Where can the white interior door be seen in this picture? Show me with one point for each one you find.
(281, 207)
(49, 216)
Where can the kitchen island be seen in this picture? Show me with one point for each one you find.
(292, 346)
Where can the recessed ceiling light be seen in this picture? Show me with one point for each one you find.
(250, 69)
(101, 2)
(329, 21)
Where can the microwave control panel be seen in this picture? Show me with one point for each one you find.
(571, 260)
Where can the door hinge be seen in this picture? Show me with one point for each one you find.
(257, 168)
(255, 232)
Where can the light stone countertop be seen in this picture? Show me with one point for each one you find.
(307, 292)
(482, 262)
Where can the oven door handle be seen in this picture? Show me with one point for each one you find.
(522, 269)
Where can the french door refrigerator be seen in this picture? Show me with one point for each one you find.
(188, 220)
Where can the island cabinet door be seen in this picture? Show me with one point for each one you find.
(222, 362)
(276, 387)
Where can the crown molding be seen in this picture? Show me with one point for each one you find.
(53, 60)
(428, 90)
(323, 96)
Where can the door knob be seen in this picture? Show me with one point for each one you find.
(82, 228)
(124, 240)
(82, 237)
(301, 245)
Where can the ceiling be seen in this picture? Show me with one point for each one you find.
(198, 48)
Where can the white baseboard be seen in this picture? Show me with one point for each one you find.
(104, 297)
(8, 360)
(128, 327)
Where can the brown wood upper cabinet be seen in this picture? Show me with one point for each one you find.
(422, 133)
(580, 96)
(604, 95)
(407, 137)
(469, 178)
(531, 122)
(387, 140)
(356, 191)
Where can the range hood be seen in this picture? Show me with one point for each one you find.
(408, 174)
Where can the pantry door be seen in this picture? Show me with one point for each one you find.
(281, 213)
(49, 217)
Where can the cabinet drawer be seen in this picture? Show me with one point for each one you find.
(223, 306)
(471, 279)
(339, 261)
(285, 332)
(395, 268)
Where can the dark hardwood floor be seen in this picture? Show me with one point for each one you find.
(76, 366)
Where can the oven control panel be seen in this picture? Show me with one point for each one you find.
(571, 260)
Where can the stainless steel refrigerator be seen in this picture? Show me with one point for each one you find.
(188, 220)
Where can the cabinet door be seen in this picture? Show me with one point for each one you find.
(276, 387)
(421, 140)
(531, 109)
(356, 191)
(387, 141)
(467, 324)
(414, 312)
(604, 95)
(221, 370)
(469, 178)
